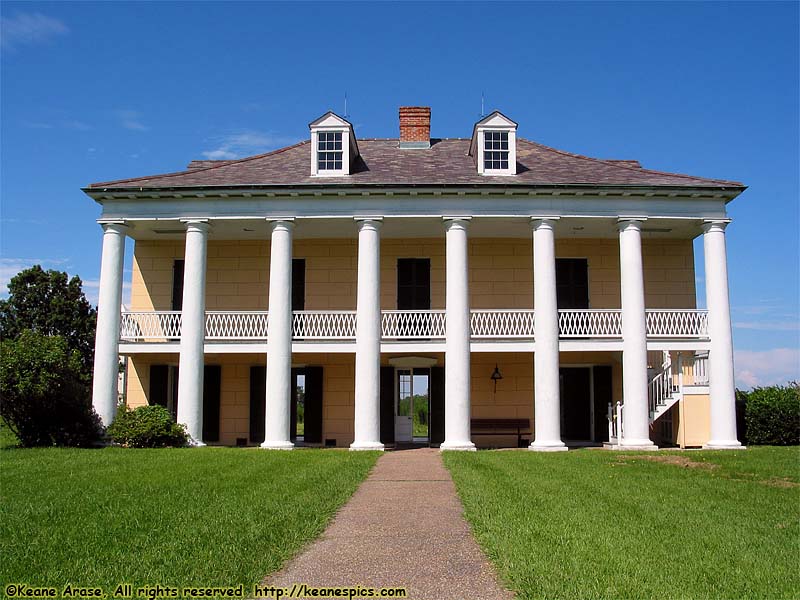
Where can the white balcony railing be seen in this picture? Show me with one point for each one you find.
(324, 324)
(596, 323)
(151, 326)
(165, 326)
(670, 323)
(412, 324)
(494, 323)
(236, 325)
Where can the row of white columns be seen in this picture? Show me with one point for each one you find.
(547, 433)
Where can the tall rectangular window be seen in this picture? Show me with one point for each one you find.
(329, 151)
(495, 150)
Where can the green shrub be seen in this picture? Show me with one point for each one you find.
(44, 399)
(147, 427)
(772, 415)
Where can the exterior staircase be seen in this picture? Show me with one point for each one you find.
(664, 390)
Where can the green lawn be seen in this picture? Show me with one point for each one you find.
(596, 524)
(207, 516)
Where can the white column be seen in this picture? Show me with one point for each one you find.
(277, 411)
(193, 331)
(720, 356)
(457, 337)
(368, 338)
(106, 343)
(547, 422)
(636, 415)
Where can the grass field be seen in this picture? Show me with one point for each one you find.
(208, 516)
(595, 524)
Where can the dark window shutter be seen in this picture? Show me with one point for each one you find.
(313, 407)
(413, 284)
(387, 405)
(212, 383)
(175, 375)
(572, 283)
(293, 404)
(159, 385)
(436, 392)
(298, 284)
(603, 394)
(258, 397)
(177, 285)
(575, 402)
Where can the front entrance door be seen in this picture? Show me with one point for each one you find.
(412, 409)
(576, 411)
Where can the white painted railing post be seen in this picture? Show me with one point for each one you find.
(720, 357)
(634, 337)
(106, 344)
(457, 339)
(546, 393)
(367, 423)
(277, 410)
(193, 329)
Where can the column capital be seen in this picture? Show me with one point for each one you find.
(114, 225)
(630, 222)
(368, 222)
(715, 225)
(286, 223)
(546, 222)
(202, 225)
(456, 222)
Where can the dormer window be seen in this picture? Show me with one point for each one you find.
(494, 145)
(329, 151)
(495, 150)
(333, 146)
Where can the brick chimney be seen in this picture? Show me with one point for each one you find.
(415, 127)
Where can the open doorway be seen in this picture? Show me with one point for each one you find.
(412, 409)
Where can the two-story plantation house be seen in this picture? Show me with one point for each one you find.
(365, 292)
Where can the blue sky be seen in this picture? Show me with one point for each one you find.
(98, 91)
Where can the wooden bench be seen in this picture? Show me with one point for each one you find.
(500, 427)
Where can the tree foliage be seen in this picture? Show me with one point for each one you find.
(44, 399)
(51, 304)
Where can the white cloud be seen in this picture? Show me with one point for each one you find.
(766, 367)
(29, 28)
(246, 143)
(11, 266)
(131, 119)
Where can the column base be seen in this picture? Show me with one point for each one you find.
(195, 443)
(554, 446)
(358, 446)
(724, 445)
(466, 446)
(643, 444)
(277, 445)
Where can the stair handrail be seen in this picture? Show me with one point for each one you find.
(661, 385)
(614, 416)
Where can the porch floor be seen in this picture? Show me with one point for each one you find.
(404, 527)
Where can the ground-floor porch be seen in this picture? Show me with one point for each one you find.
(321, 403)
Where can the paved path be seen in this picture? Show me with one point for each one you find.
(403, 527)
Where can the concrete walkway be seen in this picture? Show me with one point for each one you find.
(403, 527)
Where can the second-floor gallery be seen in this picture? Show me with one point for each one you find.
(365, 292)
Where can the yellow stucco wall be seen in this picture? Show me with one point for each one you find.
(501, 272)
(694, 421)
(514, 397)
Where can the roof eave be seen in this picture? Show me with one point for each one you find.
(733, 190)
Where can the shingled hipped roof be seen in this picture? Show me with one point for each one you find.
(382, 162)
